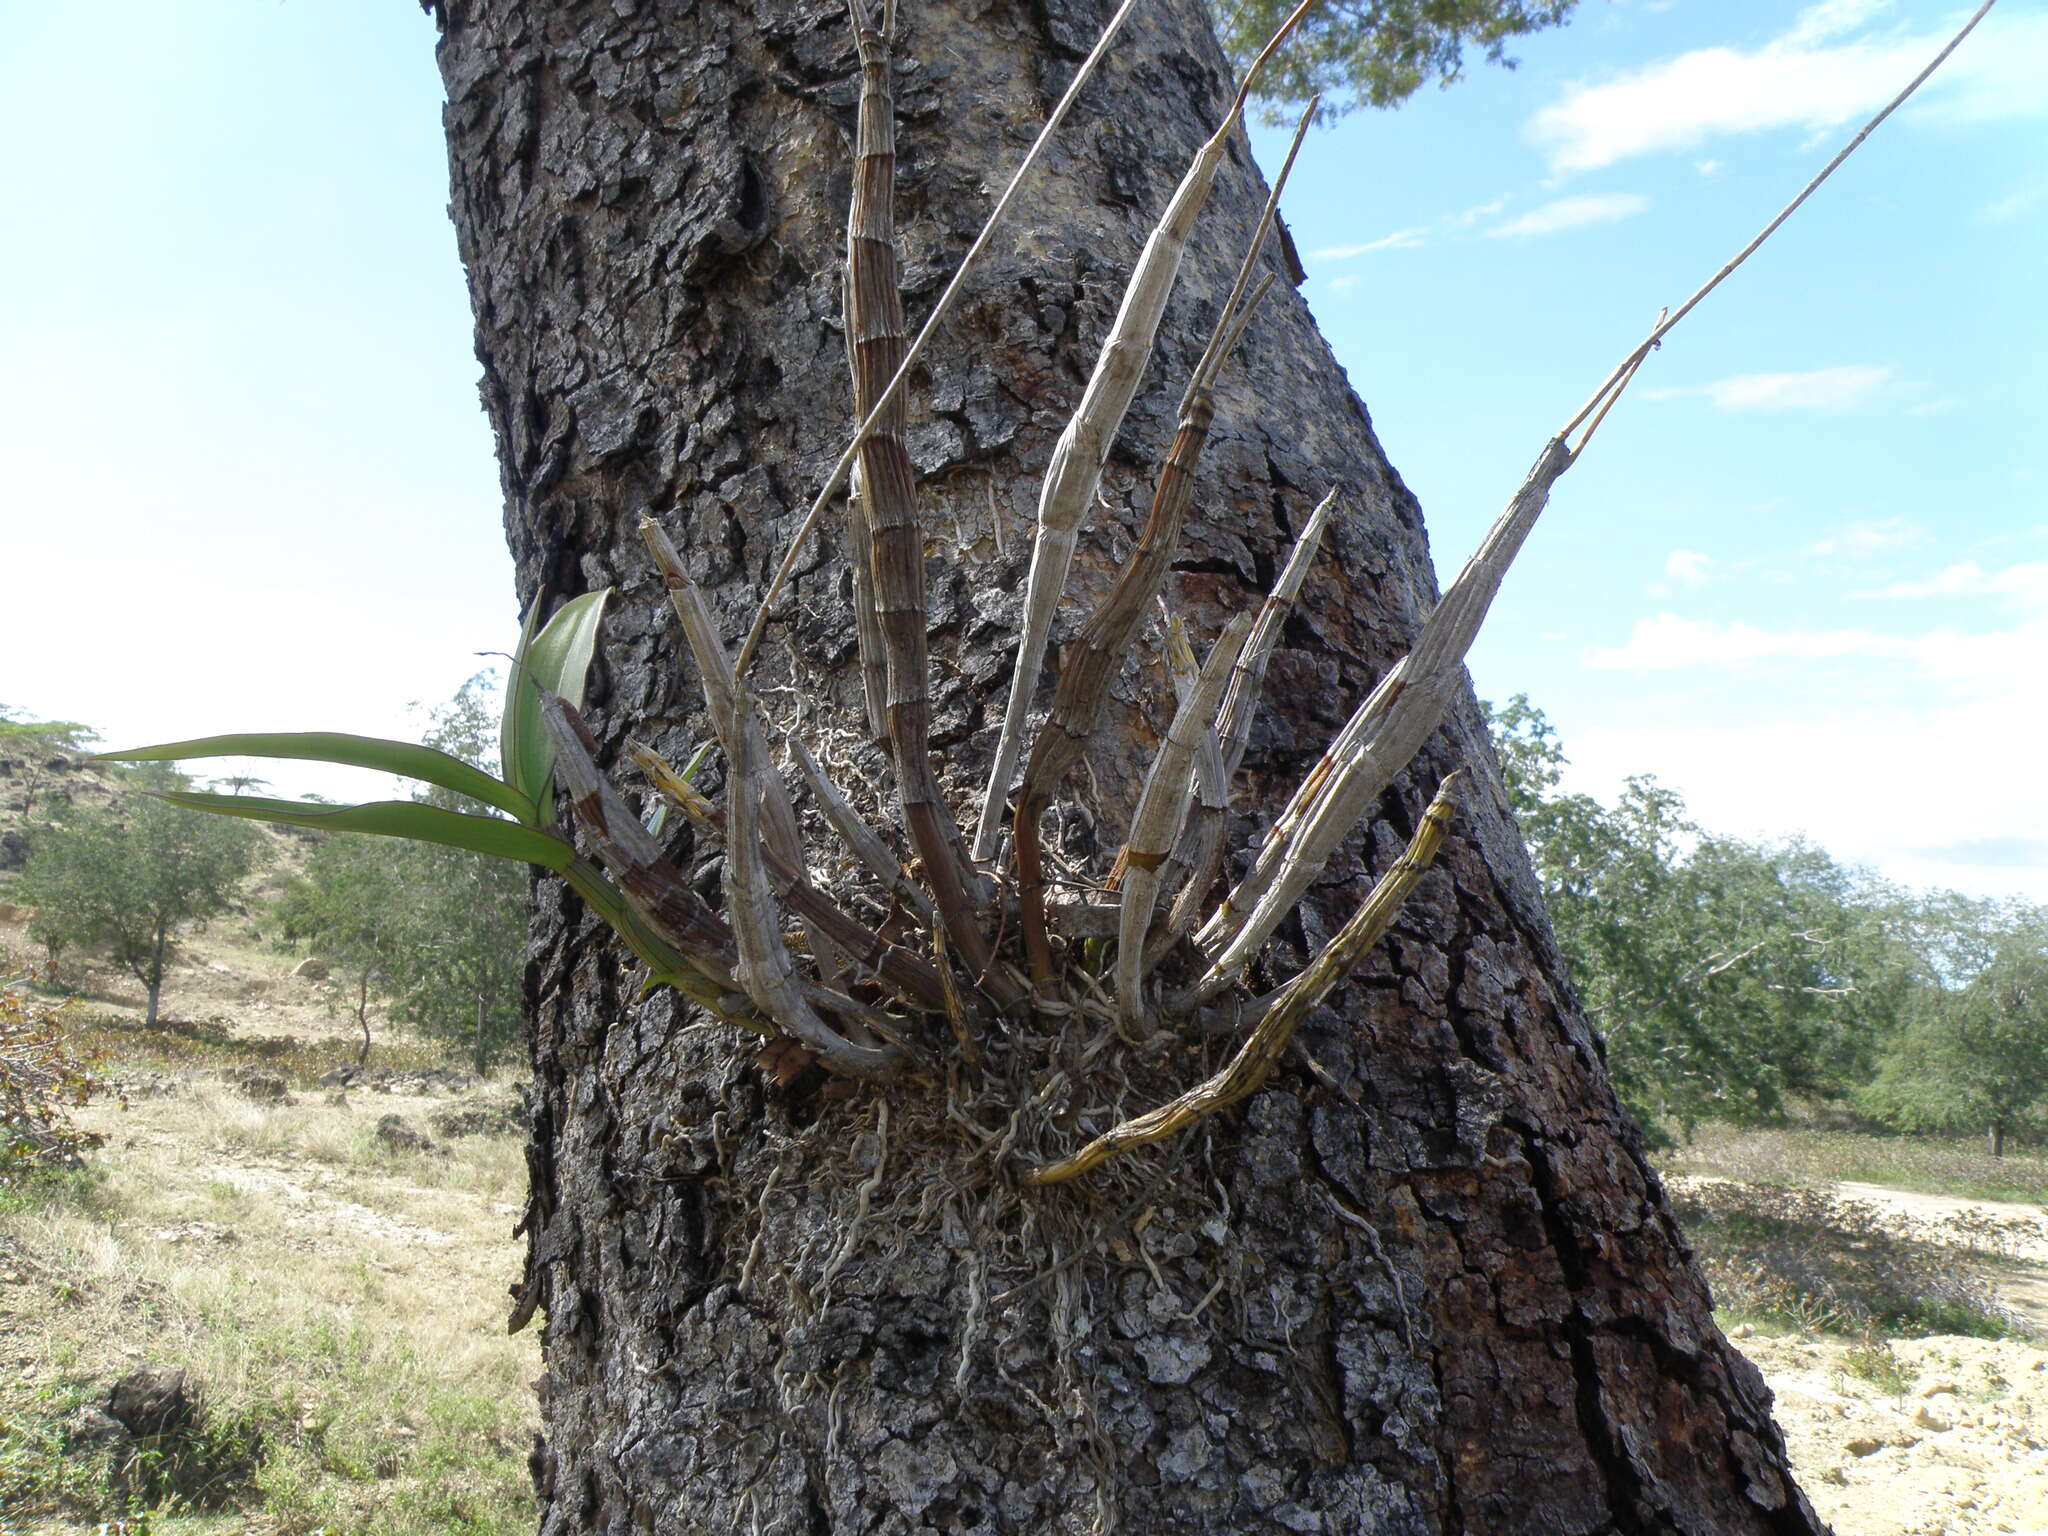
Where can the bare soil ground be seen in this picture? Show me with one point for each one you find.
(1941, 1436)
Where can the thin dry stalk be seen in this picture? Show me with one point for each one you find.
(1619, 377)
(1245, 1071)
(1162, 807)
(861, 840)
(954, 286)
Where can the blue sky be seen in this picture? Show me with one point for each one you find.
(1802, 576)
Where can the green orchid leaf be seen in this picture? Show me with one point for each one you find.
(394, 818)
(412, 762)
(557, 659)
(511, 723)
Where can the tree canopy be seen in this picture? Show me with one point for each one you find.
(1726, 977)
(132, 876)
(1377, 53)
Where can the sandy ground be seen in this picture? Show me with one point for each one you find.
(1952, 1438)
(1962, 1449)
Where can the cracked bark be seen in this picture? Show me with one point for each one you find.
(1444, 1296)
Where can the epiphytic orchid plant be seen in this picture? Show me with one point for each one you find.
(973, 935)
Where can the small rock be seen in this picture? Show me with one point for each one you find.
(1742, 1331)
(151, 1401)
(1928, 1418)
(91, 1427)
(1862, 1445)
(1936, 1387)
(312, 968)
(264, 1087)
(394, 1135)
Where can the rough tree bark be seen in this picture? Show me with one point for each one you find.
(1425, 1280)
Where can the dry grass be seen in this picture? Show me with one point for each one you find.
(1786, 1259)
(1804, 1157)
(385, 1393)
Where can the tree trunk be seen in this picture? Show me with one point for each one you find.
(153, 979)
(1425, 1281)
(1995, 1138)
(479, 1052)
(363, 1018)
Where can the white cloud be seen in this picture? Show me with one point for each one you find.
(1863, 541)
(1831, 18)
(2027, 582)
(1909, 720)
(1399, 240)
(1710, 168)
(1344, 284)
(2013, 204)
(1688, 567)
(1818, 389)
(1668, 642)
(1843, 779)
(1466, 218)
(1816, 76)
(1571, 213)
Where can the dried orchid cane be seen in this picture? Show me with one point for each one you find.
(1098, 652)
(1255, 1059)
(765, 971)
(1162, 806)
(877, 340)
(954, 287)
(1383, 734)
(700, 632)
(1083, 448)
(1198, 858)
(1248, 681)
(654, 886)
(912, 977)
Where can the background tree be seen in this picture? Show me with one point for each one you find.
(36, 751)
(353, 904)
(1443, 1292)
(438, 933)
(1724, 976)
(131, 877)
(1974, 1055)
